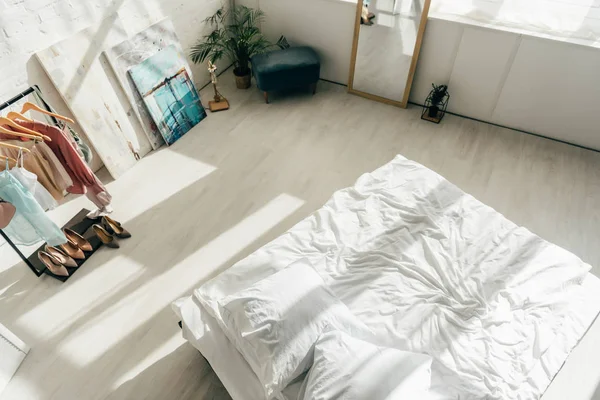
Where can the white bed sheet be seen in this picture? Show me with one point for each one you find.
(436, 271)
(203, 332)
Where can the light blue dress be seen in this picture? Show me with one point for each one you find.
(30, 224)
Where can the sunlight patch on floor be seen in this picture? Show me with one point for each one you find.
(88, 292)
(122, 319)
(170, 173)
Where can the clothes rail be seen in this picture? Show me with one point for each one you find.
(4, 105)
(18, 97)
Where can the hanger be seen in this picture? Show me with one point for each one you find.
(12, 146)
(13, 115)
(3, 157)
(19, 128)
(18, 134)
(30, 106)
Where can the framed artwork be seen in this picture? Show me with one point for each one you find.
(171, 99)
(132, 52)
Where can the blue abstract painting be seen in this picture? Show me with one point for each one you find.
(164, 84)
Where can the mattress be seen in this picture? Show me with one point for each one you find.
(435, 271)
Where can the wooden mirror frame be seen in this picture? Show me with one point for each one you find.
(413, 62)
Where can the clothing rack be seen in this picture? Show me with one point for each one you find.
(25, 260)
(4, 105)
(8, 103)
(20, 96)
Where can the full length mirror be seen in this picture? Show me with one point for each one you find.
(387, 41)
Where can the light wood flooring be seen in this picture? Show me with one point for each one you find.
(239, 179)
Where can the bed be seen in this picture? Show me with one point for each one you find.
(422, 263)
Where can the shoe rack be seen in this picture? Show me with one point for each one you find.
(80, 224)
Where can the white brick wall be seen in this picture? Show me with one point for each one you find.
(27, 26)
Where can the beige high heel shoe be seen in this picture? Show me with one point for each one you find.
(52, 264)
(61, 256)
(79, 240)
(72, 250)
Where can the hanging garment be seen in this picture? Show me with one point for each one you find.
(30, 223)
(61, 176)
(64, 148)
(44, 164)
(7, 212)
(82, 148)
(30, 182)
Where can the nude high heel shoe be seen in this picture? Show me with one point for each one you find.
(79, 240)
(106, 238)
(115, 228)
(61, 256)
(52, 264)
(72, 250)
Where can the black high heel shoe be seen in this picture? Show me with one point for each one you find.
(106, 238)
(115, 228)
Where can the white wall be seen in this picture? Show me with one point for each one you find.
(326, 25)
(27, 26)
(538, 85)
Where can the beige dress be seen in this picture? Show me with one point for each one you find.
(42, 162)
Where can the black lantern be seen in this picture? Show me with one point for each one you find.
(436, 104)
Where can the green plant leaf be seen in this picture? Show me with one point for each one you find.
(236, 36)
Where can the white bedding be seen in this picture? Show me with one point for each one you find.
(347, 368)
(276, 322)
(427, 266)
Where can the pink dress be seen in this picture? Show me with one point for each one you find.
(84, 179)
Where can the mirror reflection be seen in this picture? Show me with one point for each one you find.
(385, 45)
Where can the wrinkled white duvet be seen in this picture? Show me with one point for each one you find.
(434, 270)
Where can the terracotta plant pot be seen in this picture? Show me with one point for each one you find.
(243, 82)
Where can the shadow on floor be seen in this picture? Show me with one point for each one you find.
(596, 395)
(183, 375)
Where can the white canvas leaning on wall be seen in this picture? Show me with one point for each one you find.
(75, 69)
(12, 354)
(134, 51)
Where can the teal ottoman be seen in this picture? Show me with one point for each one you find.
(286, 69)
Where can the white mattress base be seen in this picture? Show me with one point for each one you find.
(202, 331)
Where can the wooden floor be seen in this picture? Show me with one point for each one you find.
(239, 179)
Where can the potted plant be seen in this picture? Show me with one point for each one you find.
(236, 36)
(438, 95)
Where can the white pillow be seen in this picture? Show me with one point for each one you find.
(352, 369)
(276, 322)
